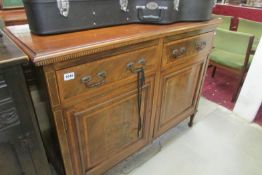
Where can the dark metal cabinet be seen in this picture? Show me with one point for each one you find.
(21, 147)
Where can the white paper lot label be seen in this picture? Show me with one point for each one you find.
(69, 76)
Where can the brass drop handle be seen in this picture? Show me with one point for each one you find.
(182, 51)
(200, 45)
(139, 69)
(135, 68)
(175, 53)
(179, 52)
(87, 80)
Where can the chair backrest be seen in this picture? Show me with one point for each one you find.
(6, 4)
(235, 42)
(252, 27)
(226, 21)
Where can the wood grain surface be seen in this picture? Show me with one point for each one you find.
(44, 50)
(13, 17)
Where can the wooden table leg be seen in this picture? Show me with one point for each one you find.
(191, 122)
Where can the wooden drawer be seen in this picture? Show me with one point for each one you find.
(178, 51)
(99, 75)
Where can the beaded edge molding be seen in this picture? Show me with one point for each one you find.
(50, 59)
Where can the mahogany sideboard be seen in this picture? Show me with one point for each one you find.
(21, 146)
(114, 90)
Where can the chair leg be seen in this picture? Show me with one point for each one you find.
(191, 122)
(239, 85)
(214, 71)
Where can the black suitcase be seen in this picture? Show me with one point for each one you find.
(60, 16)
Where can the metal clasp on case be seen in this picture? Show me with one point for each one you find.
(63, 6)
(123, 5)
(176, 5)
(151, 6)
(215, 3)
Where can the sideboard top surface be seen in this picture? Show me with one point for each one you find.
(9, 52)
(13, 16)
(49, 49)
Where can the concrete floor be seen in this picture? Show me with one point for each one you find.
(220, 143)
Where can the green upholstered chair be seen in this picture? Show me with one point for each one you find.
(2, 24)
(226, 21)
(232, 52)
(252, 27)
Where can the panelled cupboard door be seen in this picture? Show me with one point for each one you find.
(104, 129)
(178, 95)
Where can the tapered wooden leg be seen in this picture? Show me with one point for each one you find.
(214, 71)
(239, 85)
(191, 122)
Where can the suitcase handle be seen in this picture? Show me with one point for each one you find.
(149, 18)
